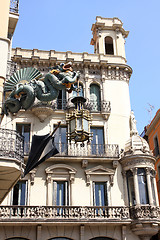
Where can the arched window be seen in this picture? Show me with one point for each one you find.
(101, 238)
(142, 183)
(60, 238)
(17, 238)
(109, 45)
(74, 93)
(130, 186)
(95, 97)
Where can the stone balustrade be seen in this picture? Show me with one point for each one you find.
(66, 213)
(78, 213)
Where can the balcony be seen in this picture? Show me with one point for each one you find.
(63, 213)
(87, 150)
(14, 6)
(11, 160)
(77, 213)
(145, 212)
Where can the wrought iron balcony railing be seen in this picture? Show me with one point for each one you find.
(94, 106)
(99, 150)
(11, 68)
(91, 150)
(11, 144)
(63, 213)
(14, 6)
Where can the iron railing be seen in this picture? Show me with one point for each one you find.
(99, 150)
(11, 68)
(11, 144)
(14, 6)
(93, 106)
(76, 149)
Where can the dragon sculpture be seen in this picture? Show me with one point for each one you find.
(27, 84)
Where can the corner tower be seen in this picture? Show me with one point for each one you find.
(109, 37)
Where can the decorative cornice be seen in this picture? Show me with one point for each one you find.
(133, 161)
(99, 170)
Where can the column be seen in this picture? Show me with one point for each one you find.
(39, 232)
(125, 188)
(81, 232)
(149, 186)
(49, 190)
(136, 187)
(4, 43)
(155, 188)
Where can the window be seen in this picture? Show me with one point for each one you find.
(60, 193)
(19, 193)
(101, 238)
(109, 45)
(143, 191)
(156, 146)
(95, 97)
(100, 193)
(61, 99)
(16, 238)
(61, 139)
(97, 144)
(24, 130)
(60, 238)
(130, 186)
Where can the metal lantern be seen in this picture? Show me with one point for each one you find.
(79, 121)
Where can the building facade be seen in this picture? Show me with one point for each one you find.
(152, 135)
(102, 190)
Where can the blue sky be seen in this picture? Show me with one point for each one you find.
(66, 25)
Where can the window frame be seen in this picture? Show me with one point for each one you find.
(105, 184)
(26, 193)
(26, 143)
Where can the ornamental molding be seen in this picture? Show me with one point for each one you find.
(32, 175)
(99, 170)
(60, 169)
(137, 161)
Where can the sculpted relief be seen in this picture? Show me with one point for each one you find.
(27, 84)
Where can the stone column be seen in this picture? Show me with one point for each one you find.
(149, 186)
(136, 187)
(39, 231)
(4, 43)
(125, 188)
(155, 188)
(49, 190)
(86, 93)
(81, 232)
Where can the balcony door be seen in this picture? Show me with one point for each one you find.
(95, 97)
(61, 140)
(19, 194)
(24, 130)
(100, 194)
(97, 144)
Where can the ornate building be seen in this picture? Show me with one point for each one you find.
(101, 190)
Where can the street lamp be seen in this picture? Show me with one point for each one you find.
(79, 120)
